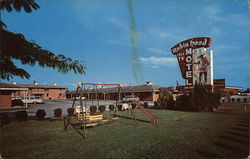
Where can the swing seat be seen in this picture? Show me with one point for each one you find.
(90, 118)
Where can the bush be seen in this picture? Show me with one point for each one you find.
(155, 104)
(93, 109)
(119, 107)
(58, 112)
(111, 107)
(204, 99)
(40, 114)
(71, 111)
(133, 105)
(165, 100)
(145, 104)
(18, 102)
(21, 115)
(102, 108)
(183, 102)
(4, 119)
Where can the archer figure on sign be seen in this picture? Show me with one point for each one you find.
(204, 63)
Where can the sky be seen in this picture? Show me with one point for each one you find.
(97, 32)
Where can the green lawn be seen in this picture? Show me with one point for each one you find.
(179, 135)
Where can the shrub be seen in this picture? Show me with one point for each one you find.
(133, 105)
(4, 118)
(155, 104)
(183, 102)
(145, 104)
(40, 114)
(58, 112)
(119, 107)
(21, 115)
(102, 108)
(204, 99)
(71, 111)
(93, 109)
(165, 99)
(111, 107)
(18, 102)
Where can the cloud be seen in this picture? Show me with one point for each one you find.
(155, 50)
(93, 13)
(156, 62)
(214, 14)
(122, 24)
(163, 34)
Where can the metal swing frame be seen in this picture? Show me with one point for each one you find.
(67, 119)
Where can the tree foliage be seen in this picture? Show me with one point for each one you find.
(27, 5)
(16, 47)
(203, 98)
(165, 99)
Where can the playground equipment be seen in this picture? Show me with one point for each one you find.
(85, 119)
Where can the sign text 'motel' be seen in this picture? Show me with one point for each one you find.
(183, 52)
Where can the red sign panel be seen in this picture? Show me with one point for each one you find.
(184, 51)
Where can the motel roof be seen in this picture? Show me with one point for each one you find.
(11, 87)
(40, 86)
(27, 86)
(137, 88)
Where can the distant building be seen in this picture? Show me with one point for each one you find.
(52, 91)
(146, 92)
(5, 94)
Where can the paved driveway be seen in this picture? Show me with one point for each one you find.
(64, 104)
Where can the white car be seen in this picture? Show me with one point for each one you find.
(32, 100)
(125, 106)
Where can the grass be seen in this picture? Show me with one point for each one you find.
(179, 135)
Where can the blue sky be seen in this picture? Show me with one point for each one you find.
(98, 33)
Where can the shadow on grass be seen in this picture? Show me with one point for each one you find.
(245, 142)
(237, 134)
(127, 123)
(242, 125)
(231, 148)
(240, 129)
(125, 117)
(244, 121)
(208, 154)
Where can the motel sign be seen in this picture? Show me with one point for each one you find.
(195, 61)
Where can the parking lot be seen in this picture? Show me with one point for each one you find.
(64, 104)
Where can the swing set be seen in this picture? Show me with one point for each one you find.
(85, 119)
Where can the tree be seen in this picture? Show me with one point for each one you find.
(199, 97)
(16, 47)
(27, 5)
(203, 98)
(165, 99)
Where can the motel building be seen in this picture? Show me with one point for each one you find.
(6, 91)
(146, 92)
(52, 91)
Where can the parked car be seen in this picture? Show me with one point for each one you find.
(32, 100)
(16, 97)
(125, 105)
(131, 99)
